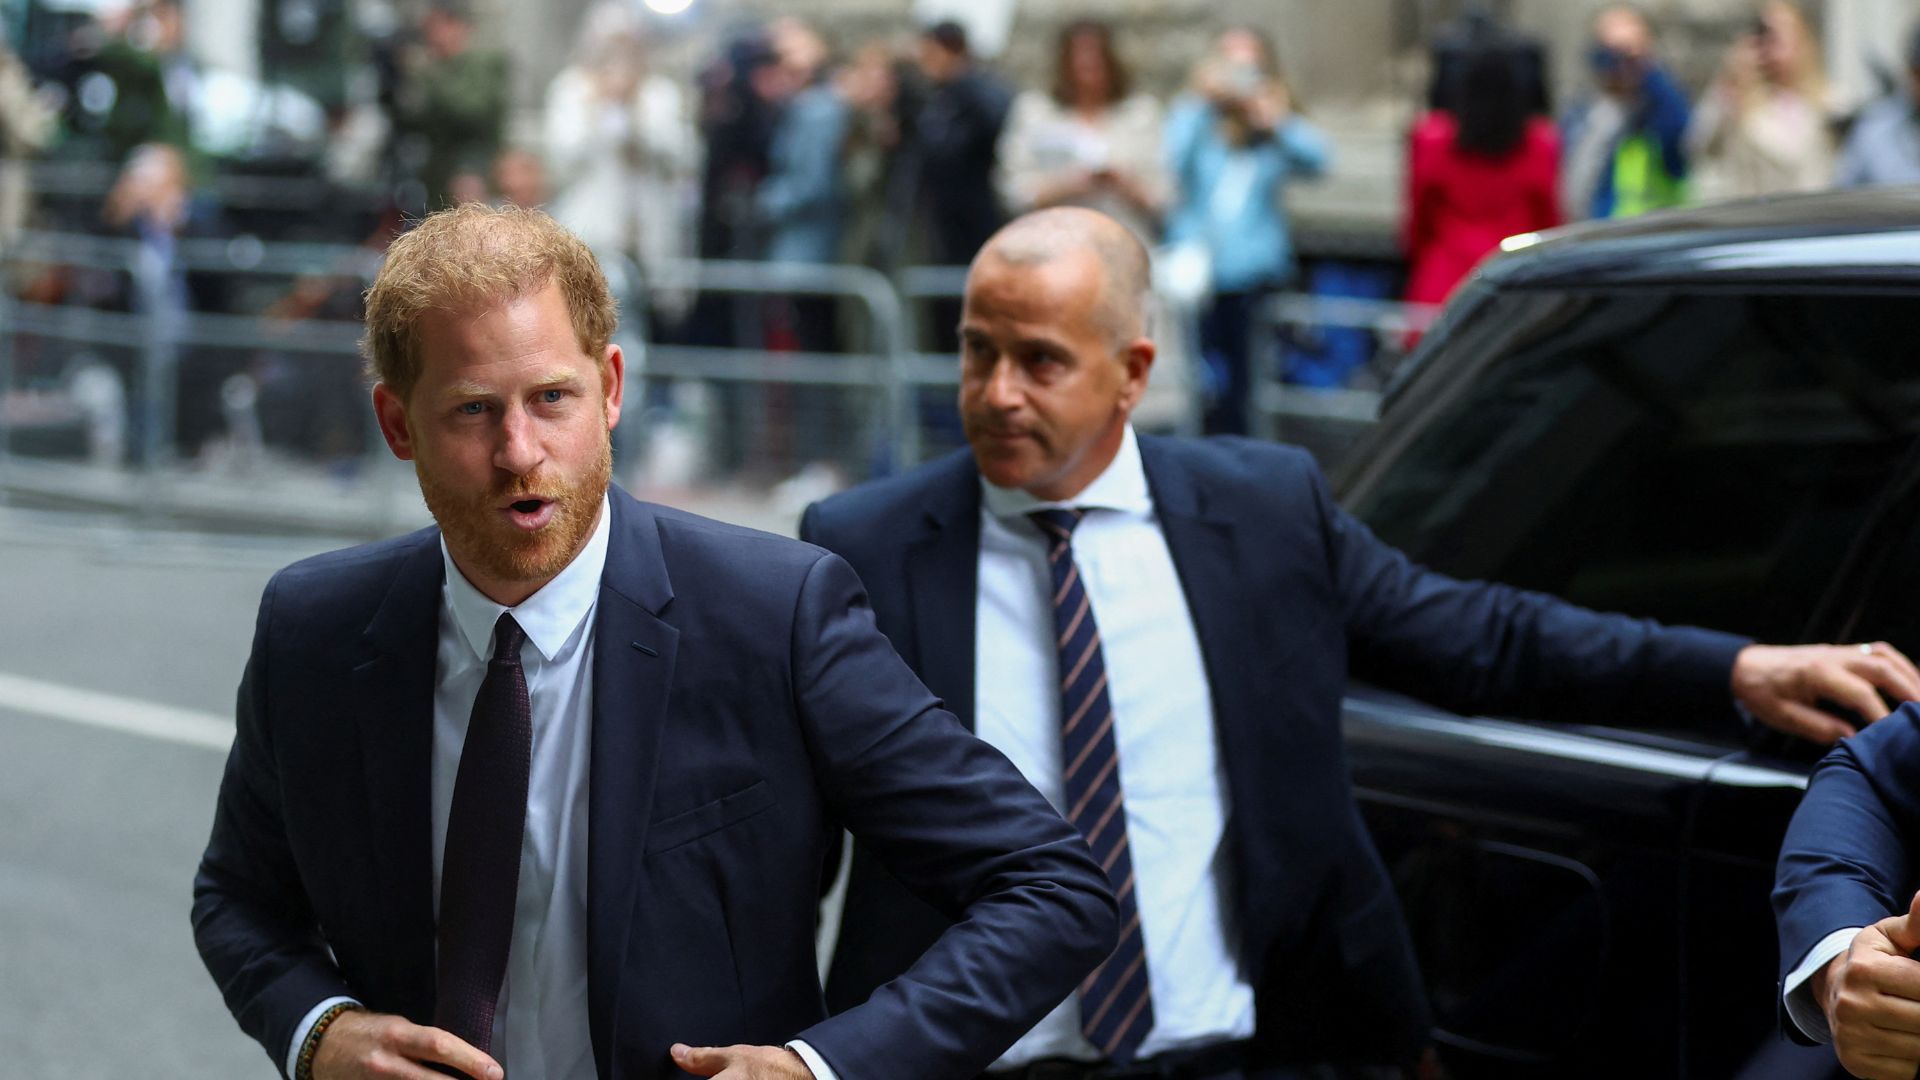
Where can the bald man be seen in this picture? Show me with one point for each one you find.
(1158, 633)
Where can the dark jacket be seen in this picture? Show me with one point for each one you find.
(745, 711)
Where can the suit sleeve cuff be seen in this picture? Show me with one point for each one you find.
(1693, 671)
(815, 1063)
(1796, 990)
(305, 1025)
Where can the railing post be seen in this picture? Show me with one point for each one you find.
(6, 381)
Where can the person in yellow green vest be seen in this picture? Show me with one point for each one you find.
(1624, 144)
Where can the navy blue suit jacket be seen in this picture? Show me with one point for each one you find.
(745, 709)
(1847, 859)
(1287, 594)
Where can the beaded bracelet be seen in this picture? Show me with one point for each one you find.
(303, 1068)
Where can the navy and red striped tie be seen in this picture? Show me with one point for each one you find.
(1116, 1004)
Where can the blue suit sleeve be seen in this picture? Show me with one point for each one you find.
(956, 823)
(1480, 647)
(1844, 861)
(251, 920)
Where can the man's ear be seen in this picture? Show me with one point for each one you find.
(1137, 358)
(613, 378)
(391, 412)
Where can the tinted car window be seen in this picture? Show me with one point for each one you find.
(1701, 458)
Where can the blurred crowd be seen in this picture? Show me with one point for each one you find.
(789, 146)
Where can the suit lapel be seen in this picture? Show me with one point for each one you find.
(943, 569)
(393, 701)
(634, 652)
(1201, 539)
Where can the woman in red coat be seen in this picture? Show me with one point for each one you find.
(1477, 173)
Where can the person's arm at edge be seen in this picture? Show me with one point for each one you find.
(1843, 863)
(1304, 146)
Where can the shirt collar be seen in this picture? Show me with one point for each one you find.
(549, 616)
(1121, 486)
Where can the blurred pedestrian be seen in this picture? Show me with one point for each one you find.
(153, 202)
(802, 199)
(153, 79)
(803, 204)
(1625, 142)
(26, 123)
(622, 148)
(1088, 140)
(882, 96)
(1884, 145)
(1766, 125)
(1234, 143)
(1482, 170)
(956, 139)
(737, 114)
(452, 105)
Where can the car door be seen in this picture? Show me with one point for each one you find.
(1593, 900)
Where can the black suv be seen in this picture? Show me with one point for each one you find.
(1708, 417)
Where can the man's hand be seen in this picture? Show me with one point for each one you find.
(1781, 684)
(741, 1062)
(1871, 995)
(368, 1044)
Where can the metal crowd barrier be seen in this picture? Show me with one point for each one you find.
(884, 364)
(156, 344)
(1327, 419)
(886, 390)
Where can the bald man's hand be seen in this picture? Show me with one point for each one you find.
(1783, 686)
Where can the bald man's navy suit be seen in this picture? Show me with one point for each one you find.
(1287, 592)
(745, 710)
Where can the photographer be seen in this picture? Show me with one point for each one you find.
(1233, 143)
(1766, 126)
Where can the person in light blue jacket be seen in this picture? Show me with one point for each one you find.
(803, 198)
(1233, 144)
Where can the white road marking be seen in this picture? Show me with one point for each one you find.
(189, 727)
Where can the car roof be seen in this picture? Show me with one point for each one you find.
(1849, 239)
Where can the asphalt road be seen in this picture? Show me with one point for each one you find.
(103, 827)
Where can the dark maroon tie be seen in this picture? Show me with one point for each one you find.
(480, 872)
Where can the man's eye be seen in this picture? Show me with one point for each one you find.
(551, 396)
(473, 408)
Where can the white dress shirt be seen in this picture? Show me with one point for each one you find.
(1797, 988)
(540, 1027)
(1170, 769)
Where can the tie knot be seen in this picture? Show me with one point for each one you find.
(507, 639)
(1058, 525)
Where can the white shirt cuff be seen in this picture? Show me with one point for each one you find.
(301, 1029)
(815, 1063)
(1796, 990)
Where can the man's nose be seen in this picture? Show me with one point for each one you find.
(518, 451)
(1003, 388)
